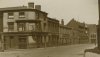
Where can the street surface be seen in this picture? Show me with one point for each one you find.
(89, 54)
(61, 51)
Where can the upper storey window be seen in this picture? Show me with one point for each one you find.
(37, 15)
(32, 27)
(10, 15)
(44, 17)
(21, 26)
(10, 26)
(21, 14)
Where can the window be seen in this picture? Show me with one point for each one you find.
(37, 15)
(44, 17)
(32, 27)
(10, 26)
(21, 14)
(11, 37)
(21, 26)
(10, 15)
(44, 26)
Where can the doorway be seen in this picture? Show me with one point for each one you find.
(22, 42)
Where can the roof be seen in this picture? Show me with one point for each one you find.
(64, 26)
(76, 24)
(19, 8)
(53, 19)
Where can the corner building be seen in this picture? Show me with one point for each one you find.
(23, 27)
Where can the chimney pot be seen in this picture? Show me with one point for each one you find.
(38, 7)
(31, 4)
(62, 22)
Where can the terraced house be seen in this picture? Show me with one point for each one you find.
(22, 26)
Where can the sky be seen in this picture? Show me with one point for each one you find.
(81, 10)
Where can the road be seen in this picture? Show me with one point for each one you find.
(62, 51)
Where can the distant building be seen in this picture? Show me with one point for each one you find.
(92, 31)
(64, 34)
(80, 34)
(22, 26)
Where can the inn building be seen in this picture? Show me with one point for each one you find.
(23, 27)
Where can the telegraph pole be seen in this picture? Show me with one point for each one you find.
(98, 30)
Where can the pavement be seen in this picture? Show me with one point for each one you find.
(94, 52)
(90, 54)
(61, 51)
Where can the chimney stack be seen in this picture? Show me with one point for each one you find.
(62, 22)
(38, 7)
(31, 4)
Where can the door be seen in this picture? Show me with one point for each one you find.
(22, 42)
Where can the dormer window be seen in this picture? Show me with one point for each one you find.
(21, 14)
(10, 15)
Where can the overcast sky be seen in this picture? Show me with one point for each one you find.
(82, 10)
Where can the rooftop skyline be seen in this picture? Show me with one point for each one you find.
(81, 10)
